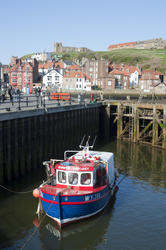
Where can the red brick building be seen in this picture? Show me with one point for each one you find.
(23, 74)
(96, 69)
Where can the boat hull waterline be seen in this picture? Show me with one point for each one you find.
(76, 207)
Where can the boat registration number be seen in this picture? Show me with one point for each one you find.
(92, 197)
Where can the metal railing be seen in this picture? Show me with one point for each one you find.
(32, 101)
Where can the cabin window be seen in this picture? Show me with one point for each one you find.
(61, 177)
(86, 179)
(73, 178)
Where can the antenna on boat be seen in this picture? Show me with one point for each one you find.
(87, 142)
(93, 142)
(81, 146)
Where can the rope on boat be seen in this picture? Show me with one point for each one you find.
(16, 192)
(122, 179)
(35, 230)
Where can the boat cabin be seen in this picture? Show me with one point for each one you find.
(82, 171)
(78, 173)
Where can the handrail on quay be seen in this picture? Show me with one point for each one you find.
(32, 101)
(36, 101)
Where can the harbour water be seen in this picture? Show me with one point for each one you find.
(134, 220)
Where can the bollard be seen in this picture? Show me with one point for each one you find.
(19, 107)
(44, 104)
(79, 99)
(27, 101)
(37, 101)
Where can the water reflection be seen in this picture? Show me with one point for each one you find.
(133, 213)
(17, 210)
(140, 161)
(84, 234)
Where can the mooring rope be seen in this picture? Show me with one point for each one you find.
(35, 230)
(122, 179)
(16, 192)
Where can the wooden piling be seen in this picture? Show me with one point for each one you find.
(164, 128)
(119, 121)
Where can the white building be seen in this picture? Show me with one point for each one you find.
(44, 68)
(74, 80)
(44, 56)
(53, 79)
(134, 79)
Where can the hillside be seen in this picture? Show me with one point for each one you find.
(145, 59)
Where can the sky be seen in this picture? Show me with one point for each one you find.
(33, 26)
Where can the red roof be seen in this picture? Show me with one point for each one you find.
(121, 45)
(59, 64)
(50, 64)
(74, 74)
(152, 72)
(73, 67)
(21, 67)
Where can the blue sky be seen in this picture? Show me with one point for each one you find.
(34, 25)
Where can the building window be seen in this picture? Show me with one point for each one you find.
(14, 74)
(49, 78)
(109, 83)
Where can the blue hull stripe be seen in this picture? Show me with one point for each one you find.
(69, 212)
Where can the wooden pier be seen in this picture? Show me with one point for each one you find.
(139, 122)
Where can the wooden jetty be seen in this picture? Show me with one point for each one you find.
(138, 122)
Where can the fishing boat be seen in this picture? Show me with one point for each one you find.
(79, 186)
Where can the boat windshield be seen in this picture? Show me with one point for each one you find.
(85, 179)
(73, 178)
(61, 176)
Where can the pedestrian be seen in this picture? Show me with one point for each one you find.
(36, 91)
(39, 91)
(101, 96)
(18, 94)
(91, 97)
(3, 95)
(10, 92)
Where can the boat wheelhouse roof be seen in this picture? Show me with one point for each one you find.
(72, 165)
(83, 161)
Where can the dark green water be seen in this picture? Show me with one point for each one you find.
(135, 220)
